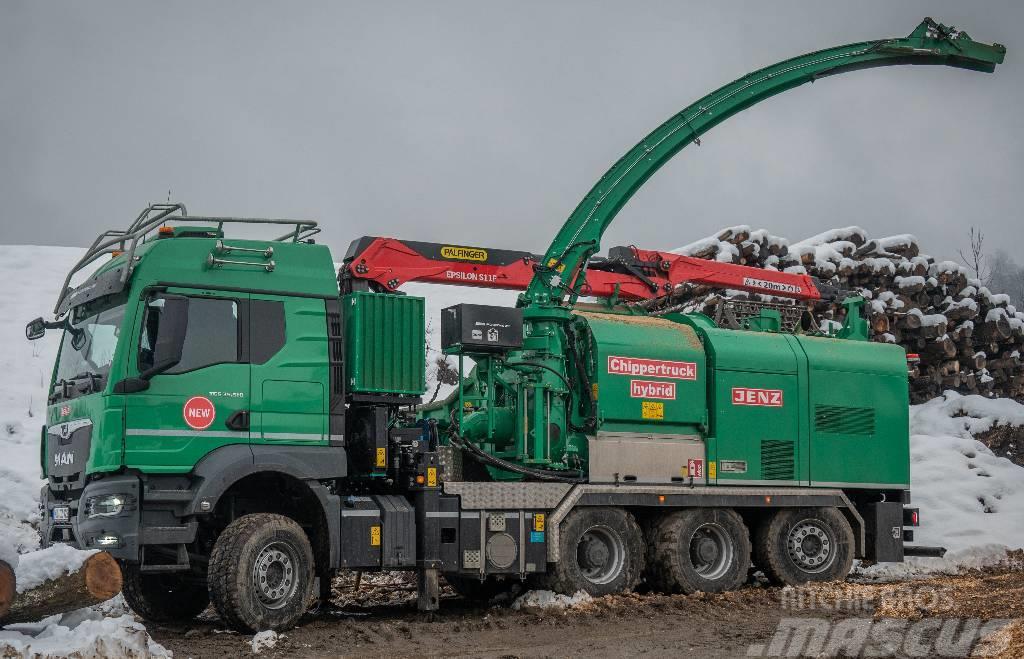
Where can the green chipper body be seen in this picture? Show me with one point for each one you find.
(677, 399)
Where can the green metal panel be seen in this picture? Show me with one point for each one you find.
(385, 344)
(650, 374)
(857, 412)
(755, 407)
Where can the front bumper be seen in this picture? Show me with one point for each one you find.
(84, 533)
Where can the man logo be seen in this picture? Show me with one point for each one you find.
(63, 459)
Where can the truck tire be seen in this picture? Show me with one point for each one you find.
(163, 597)
(698, 550)
(601, 552)
(798, 545)
(261, 573)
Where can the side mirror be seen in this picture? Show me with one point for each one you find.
(170, 340)
(35, 329)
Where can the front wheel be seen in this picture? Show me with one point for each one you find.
(798, 545)
(601, 552)
(261, 573)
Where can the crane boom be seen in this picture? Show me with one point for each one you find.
(580, 237)
(628, 273)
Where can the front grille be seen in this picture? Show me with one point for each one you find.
(67, 451)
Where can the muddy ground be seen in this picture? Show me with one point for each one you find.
(380, 620)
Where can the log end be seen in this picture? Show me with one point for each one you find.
(8, 588)
(102, 576)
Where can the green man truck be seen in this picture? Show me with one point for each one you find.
(233, 419)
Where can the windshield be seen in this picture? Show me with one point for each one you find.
(87, 350)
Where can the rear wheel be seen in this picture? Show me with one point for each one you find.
(699, 550)
(261, 573)
(163, 597)
(601, 551)
(798, 545)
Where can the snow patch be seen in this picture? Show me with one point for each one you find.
(264, 640)
(85, 634)
(546, 599)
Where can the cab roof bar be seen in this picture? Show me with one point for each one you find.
(152, 217)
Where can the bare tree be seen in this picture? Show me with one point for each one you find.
(1005, 276)
(444, 373)
(975, 258)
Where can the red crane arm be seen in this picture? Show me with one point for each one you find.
(632, 274)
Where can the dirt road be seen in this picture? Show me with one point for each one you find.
(744, 623)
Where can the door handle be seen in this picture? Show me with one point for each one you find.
(239, 420)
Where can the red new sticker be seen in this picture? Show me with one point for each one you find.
(695, 468)
(658, 368)
(758, 397)
(652, 389)
(199, 413)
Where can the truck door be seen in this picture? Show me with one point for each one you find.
(290, 381)
(201, 403)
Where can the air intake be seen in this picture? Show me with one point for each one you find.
(777, 460)
(841, 420)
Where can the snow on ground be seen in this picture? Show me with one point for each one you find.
(971, 501)
(546, 599)
(265, 640)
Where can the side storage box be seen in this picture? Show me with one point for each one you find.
(385, 345)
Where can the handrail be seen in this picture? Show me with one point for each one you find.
(154, 216)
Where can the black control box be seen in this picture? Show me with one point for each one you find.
(481, 328)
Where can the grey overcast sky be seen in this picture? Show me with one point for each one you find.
(486, 122)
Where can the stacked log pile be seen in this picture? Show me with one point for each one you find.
(968, 338)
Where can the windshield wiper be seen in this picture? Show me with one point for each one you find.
(92, 384)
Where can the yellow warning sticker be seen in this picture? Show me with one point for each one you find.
(650, 409)
(382, 457)
(593, 391)
(538, 522)
(431, 476)
(375, 536)
(712, 468)
(464, 253)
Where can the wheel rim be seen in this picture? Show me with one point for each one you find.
(811, 546)
(600, 555)
(273, 575)
(711, 551)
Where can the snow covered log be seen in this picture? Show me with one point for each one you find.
(932, 308)
(96, 580)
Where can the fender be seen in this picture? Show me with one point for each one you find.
(224, 467)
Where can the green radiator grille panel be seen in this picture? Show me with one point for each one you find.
(842, 420)
(385, 344)
(777, 460)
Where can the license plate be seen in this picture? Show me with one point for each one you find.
(61, 513)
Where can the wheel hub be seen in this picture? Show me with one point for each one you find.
(273, 575)
(600, 555)
(595, 553)
(810, 546)
(711, 551)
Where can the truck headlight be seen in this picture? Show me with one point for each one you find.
(106, 505)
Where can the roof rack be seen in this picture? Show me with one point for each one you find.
(151, 218)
